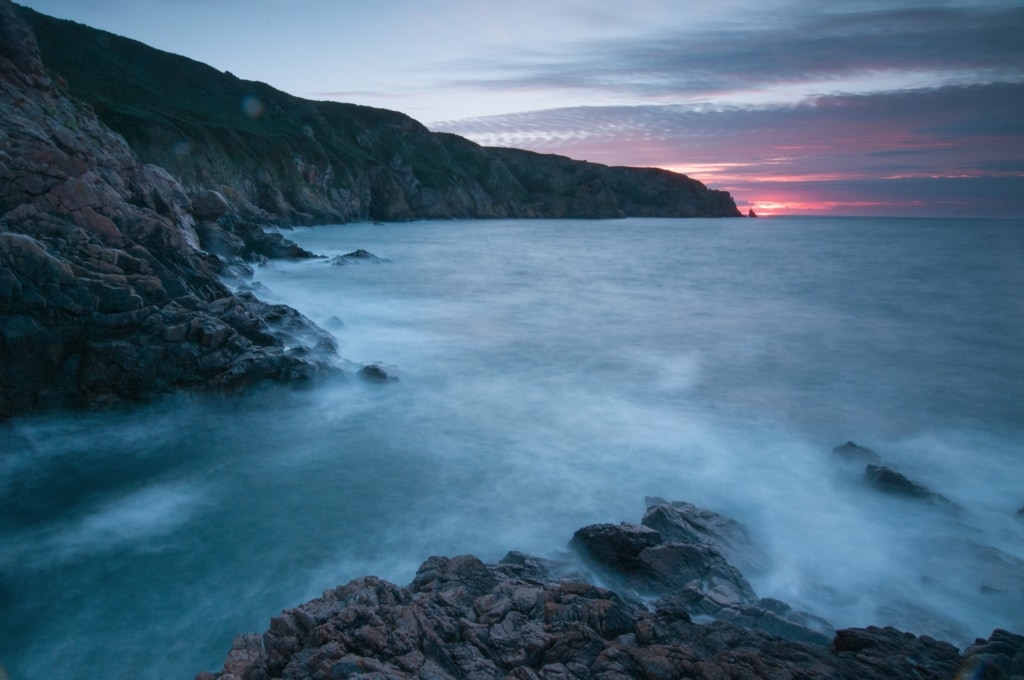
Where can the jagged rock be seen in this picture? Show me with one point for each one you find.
(892, 482)
(853, 453)
(686, 522)
(104, 296)
(209, 205)
(1001, 656)
(357, 257)
(461, 618)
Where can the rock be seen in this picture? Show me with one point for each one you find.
(853, 453)
(209, 205)
(104, 294)
(461, 618)
(892, 482)
(357, 257)
(1001, 656)
(889, 653)
(687, 523)
(374, 373)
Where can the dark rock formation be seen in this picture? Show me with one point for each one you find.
(691, 576)
(357, 257)
(104, 295)
(685, 522)
(892, 482)
(279, 159)
(854, 453)
(527, 618)
(375, 373)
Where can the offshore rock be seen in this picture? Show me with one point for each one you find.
(889, 481)
(854, 453)
(315, 162)
(359, 256)
(104, 293)
(531, 618)
(678, 521)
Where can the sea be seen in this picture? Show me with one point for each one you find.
(547, 375)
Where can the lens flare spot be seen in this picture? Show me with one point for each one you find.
(252, 106)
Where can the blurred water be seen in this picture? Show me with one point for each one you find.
(551, 374)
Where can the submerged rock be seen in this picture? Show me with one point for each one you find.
(375, 373)
(854, 453)
(357, 257)
(892, 482)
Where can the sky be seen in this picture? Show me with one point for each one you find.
(799, 107)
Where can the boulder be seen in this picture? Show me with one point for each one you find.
(685, 522)
(375, 373)
(209, 205)
(891, 482)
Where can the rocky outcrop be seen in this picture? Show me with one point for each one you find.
(104, 293)
(279, 159)
(527, 618)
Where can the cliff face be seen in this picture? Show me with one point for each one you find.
(278, 158)
(103, 293)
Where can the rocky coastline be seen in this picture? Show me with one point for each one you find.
(128, 198)
(106, 292)
(658, 599)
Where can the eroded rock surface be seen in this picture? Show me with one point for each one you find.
(105, 295)
(461, 618)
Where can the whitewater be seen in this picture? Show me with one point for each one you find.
(551, 374)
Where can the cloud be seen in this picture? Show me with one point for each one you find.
(909, 140)
(823, 45)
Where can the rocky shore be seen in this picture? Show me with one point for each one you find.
(127, 197)
(109, 291)
(670, 604)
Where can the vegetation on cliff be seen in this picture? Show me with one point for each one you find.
(279, 158)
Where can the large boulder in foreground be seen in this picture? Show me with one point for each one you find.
(104, 293)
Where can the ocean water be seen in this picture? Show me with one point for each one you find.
(551, 374)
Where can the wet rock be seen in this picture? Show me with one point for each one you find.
(461, 618)
(685, 522)
(357, 257)
(892, 482)
(105, 295)
(881, 653)
(375, 373)
(1001, 656)
(854, 453)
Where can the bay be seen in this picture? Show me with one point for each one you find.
(550, 374)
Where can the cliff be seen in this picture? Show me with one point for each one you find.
(104, 294)
(279, 158)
